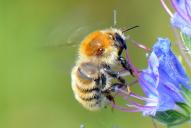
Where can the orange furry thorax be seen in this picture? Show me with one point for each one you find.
(95, 44)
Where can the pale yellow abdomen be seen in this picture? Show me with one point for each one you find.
(86, 90)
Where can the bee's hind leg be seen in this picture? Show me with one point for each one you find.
(122, 82)
(109, 96)
(113, 74)
(114, 87)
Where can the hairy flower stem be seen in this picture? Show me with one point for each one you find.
(180, 45)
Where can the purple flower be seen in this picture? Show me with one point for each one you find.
(165, 84)
(163, 79)
(182, 17)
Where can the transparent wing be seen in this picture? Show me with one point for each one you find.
(60, 38)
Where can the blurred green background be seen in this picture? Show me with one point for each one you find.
(35, 90)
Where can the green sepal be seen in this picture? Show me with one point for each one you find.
(187, 41)
(171, 117)
(187, 95)
(184, 109)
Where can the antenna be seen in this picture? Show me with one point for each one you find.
(114, 17)
(127, 29)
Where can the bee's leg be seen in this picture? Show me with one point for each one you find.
(116, 86)
(108, 95)
(113, 74)
(125, 64)
(110, 98)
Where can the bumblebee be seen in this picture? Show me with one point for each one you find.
(91, 76)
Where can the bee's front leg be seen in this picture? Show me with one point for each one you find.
(125, 64)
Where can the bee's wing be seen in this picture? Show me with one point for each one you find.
(60, 38)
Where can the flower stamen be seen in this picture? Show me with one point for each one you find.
(140, 45)
(179, 11)
(140, 106)
(124, 109)
(187, 9)
(166, 8)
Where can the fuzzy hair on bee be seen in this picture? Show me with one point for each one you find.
(99, 46)
(91, 76)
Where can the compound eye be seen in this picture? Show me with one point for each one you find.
(100, 51)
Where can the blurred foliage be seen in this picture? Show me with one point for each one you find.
(35, 64)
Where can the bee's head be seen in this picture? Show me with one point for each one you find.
(118, 38)
(99, 46)
(96, 43)
(106, 44)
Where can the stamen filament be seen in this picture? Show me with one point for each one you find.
(124, 109)
(179, 11)
(139, 106)
(187, 9)
(166, 8)
(140, 45)
(143, 98)
(135, 70)
(124, 93)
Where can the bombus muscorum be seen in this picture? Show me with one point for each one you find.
(91, 76)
